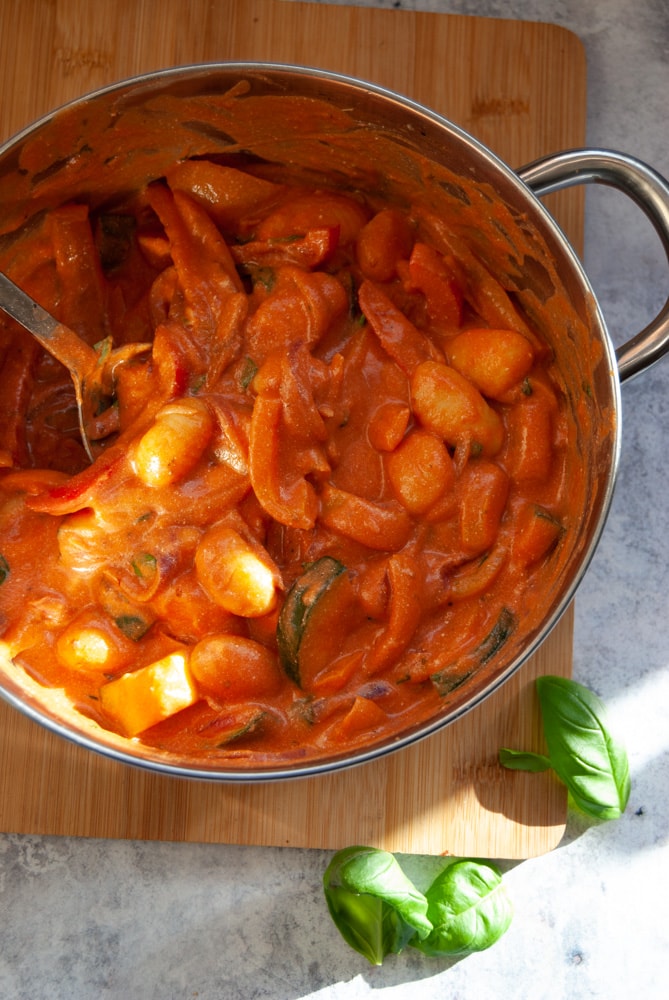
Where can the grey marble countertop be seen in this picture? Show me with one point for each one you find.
(157, 921)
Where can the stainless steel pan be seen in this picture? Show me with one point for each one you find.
(359, 135)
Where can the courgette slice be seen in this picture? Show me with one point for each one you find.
(451, 678)
(237, 729)
(306, 610)
(500, 632)
(447, 683)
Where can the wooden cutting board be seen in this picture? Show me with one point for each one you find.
(520, 87)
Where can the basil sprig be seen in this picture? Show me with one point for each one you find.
(379, 911)
(582, 750)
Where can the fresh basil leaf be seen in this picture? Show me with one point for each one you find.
(145, 565)
(469, 907)
(583, 752)
(523, 760)
(4, 569)
(375, 907)
(248, 372)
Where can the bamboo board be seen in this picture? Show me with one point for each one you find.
(520, 88)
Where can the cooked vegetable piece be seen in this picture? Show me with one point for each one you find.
(308, 615)
(536, 533)
(313, 210)
(88, 643)
(228, 194)
(449, 405)
(383, 526)
(300, 309)
(81, 489)
(141, 699)
(388, 425)
(449, 676)
(386, 239)
(283, 491)
(132, 618)
(79, 271)
(484, 487)
(312, 250)
(494, 360)
(404, 611)
(528, 454)
(481, 289)
(477, 576)
(237, 573)
(242, 721)
(504, 627)
(201, 256)
(435, 276)
(232, 668)
(170, 448)
(420, 471)
(365, 716)
(403, 341)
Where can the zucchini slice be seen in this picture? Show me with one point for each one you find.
(451, 678)
(500, 632)
(306, 620)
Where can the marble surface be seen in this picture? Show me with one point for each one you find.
(93, 919)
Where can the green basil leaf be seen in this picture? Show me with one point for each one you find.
(4, 569)
(469, 907)
(583, 752)
(375, 907)
(523, 760)
(248, 372)
(133, 626)
(145, 565)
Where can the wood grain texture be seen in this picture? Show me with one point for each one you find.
(520, 88)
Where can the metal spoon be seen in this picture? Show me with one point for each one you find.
(87, 366)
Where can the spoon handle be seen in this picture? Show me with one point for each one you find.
(77, 356)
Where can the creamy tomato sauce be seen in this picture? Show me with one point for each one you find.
(333, 490)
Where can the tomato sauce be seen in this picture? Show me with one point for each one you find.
(342, 483)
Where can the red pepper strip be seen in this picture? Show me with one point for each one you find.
(405, 344)
(312, 250)
(78, 492)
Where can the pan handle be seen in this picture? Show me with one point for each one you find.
(644, 186)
